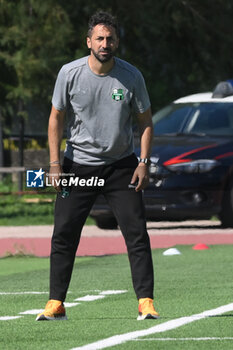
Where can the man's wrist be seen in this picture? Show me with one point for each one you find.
(145, 161)
(54, 162)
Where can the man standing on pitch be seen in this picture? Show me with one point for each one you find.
(97, 93)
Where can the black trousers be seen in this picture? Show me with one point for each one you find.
(128, 208)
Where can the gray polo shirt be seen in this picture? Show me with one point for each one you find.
(98, 108)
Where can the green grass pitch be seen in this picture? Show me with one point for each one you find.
(185, 284)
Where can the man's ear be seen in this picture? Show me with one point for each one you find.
(88, 42)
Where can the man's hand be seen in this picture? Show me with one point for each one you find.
(141, 175)
(54, 176)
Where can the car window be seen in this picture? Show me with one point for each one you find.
(211, 119)
(196, 118)
(171, 119)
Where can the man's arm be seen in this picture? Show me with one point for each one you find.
(146, 135)
(55, 132)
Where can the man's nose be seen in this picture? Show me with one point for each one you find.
(105, 43)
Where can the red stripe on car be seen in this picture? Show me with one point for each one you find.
(224, 155)
(181, 159)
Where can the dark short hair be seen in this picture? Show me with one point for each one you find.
(102, 17)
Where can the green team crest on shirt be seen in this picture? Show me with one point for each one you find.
(117, 94)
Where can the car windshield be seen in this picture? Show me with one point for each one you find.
(195, 118)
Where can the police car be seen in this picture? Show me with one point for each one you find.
(191, 171)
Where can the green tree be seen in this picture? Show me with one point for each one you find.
(34, 42)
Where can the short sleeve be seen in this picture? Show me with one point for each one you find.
(60, 93)
(140, 100)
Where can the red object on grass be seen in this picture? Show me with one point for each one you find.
(200, 246)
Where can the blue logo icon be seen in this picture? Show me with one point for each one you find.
(35, 178)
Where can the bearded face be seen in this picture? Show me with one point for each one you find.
(103, 42)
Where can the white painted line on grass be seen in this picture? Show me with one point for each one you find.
(7, 318)
(21, 293)
(184, 339)
(38, 311)
(90, 298)
(88, 291)
(66, 304)
(70, 304)
(162, 327)
(31, 312)
(112, 292)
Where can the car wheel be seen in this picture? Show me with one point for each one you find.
(106, 222)
(226, 214)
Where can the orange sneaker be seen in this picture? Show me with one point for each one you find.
(54, 310)
(146, 309)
